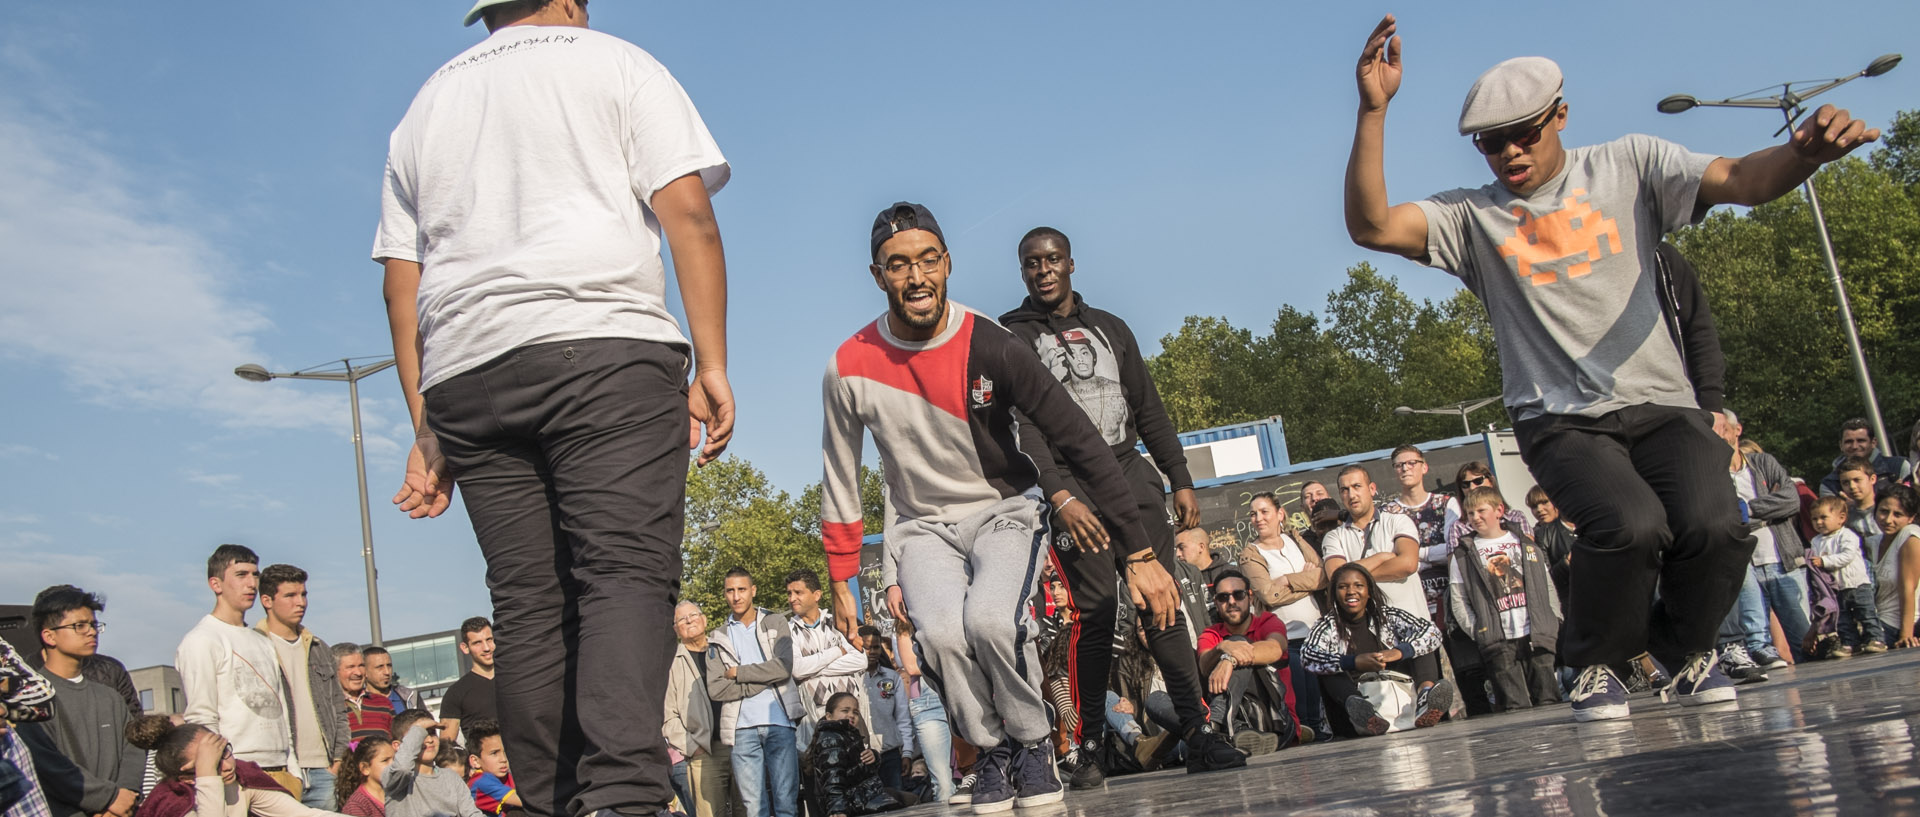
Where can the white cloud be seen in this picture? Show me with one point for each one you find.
(18, 518)
(147, 615)
(16, 451)
(113, 280)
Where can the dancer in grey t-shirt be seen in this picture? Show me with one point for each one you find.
(1561, 250)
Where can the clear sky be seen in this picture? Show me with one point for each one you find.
(185, 187)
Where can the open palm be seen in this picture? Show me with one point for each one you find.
(1379, 70)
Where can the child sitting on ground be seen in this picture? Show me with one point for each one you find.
(844, 771)
(358, 791)
(414, 786)
(199, 777)
(488, 777)
(1836, 550)
(1499, 595)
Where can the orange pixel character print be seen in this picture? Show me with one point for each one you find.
(1576, 235)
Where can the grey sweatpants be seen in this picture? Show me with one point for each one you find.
(967, 587)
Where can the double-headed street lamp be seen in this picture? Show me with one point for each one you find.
(1462, 408)
(1788, 103)
(346, 371)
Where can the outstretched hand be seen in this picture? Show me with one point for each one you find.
(1379, 71)
(427, 489)
(1830, 134)
(710, 403)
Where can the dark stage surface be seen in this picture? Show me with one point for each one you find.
(1834, 737)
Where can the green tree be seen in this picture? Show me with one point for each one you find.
(735, 517)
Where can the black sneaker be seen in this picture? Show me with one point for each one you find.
(1083, 767)
(963, 794)
(1365, 718)
(1035, 780)
(1207, 751)
(1433, 704)
(992, 791)
(1739, 666)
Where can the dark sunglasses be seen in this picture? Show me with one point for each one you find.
(1237, 595)
(1475, 482)
(1496, 141)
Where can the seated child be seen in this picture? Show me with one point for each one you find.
(414, 786)
(843, 770)
(1499, 595)
(1836, 550)
(359, 791)
(199, 777)
(487, 775)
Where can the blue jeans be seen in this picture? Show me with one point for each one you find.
(1122, 724)
(766, 768)
(931, 732)
(1306, 692)
(678, 776)
(319, 791)
(1859, 621)
(1746, 621)
(1784, 592)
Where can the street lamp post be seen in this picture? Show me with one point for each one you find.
(1462, 408)
(1788, 103)
(352, 375)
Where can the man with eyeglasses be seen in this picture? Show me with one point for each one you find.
(1094, 354)
(1561, 249)
(941, 388)
(1431, 514)
(1239, 655)
(89, 717)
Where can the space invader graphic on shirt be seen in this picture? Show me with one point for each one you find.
(1566, 240)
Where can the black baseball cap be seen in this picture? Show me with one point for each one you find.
(899, 218)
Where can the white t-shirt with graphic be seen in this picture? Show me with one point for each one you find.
(1502, 559)
(519, 180)
(1567, 275)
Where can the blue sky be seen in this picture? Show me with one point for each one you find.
(188, 187)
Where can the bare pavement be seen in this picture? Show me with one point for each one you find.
(1834, 737)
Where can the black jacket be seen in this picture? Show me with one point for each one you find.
(1146, 418)
(1475, 593)
(841, 783)
(1690, 320)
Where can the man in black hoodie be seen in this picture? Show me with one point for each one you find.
(1096, 357)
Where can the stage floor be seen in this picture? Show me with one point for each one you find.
(1827, 738)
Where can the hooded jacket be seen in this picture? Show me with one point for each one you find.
(1471, 600)
(1776, 506)
(1145, 417)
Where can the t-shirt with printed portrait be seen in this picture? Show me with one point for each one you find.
(1568, 275)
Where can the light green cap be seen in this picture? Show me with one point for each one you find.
(473, 14)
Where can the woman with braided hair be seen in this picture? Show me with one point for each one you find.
(1362, 635)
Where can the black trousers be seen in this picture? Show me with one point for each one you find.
(1647, 488)
(1522, 674)
(1339, 686)
(571, 458)
(1092, 581)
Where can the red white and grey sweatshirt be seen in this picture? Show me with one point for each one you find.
(944, 414)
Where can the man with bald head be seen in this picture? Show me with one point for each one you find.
(702, 767)
(1561, 247)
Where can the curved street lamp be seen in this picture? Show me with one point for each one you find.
(1462, 408)
(351, 374)
(1789, 103)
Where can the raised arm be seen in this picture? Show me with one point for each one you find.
(685, 210)
(1767, 174)
(1400, 229)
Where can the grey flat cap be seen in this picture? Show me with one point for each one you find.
(1510, 93)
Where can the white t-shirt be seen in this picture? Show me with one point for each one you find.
(1502, 559)
(1353, 544)
(1301, 613)
(518, 180)
(1886, 575)
(1764, 552)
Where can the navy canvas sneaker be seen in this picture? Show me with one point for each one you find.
(1700, 681)
(1035, 780)
(1598, 695)
(992, 792)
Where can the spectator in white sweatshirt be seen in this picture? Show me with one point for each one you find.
(824, 661)
(230, 673)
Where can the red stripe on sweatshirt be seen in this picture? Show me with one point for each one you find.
(938, 375)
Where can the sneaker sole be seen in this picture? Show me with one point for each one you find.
(1255, 744)
(1439, 700)
(1040, 799)
(1365, 717)
(993, 808)
(1608, 712)
(1711, 696)
(960, 800)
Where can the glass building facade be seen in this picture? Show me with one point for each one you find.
(429, 664)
